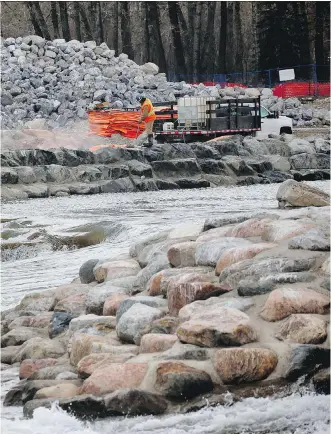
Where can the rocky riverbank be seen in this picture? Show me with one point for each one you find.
(189, 315)
(235, 160)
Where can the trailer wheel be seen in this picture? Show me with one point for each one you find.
(285, 130)
(160, 139)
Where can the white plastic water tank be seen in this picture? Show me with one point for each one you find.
(168, 126)
(193, 109)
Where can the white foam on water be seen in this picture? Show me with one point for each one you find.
(295, 414)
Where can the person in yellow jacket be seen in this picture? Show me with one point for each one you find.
(148, 116)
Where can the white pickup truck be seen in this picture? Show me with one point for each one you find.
(273, 124)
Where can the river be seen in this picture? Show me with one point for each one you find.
(132, 216)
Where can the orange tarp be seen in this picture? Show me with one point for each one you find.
(108, 122)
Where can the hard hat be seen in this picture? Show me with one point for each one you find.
(140, 98)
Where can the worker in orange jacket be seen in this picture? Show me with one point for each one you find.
(148, 116)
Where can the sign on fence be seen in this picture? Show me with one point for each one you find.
(286, 74)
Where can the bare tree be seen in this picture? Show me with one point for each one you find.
(125, 29)
(77, 21)
(55, 20)
(38, 20)
(156, 48)
(34, 18)
(208, 46)
(176, 36)
(223, 39)
(86, 22)
(64, 20)
(101, 31)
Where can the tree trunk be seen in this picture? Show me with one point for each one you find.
(125, 30)
(77, 21)
(156, 48)
(101, 32)
(55, 20)
(114, 26)
(147, 46)
(64, 20)
(34, 19)
(208, 47)
(192, 8)
(223, 38)
(41, 20)
(197, 47)
(86, 22)
(239, 64)
(176, 37)
(93, 18)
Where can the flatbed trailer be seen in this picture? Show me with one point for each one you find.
(207, 119)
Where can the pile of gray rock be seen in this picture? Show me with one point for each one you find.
(302, 115)
(58, 80)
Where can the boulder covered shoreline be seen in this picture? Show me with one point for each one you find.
(189, 317)
(236, 160)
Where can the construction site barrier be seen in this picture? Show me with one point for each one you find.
(289, 90)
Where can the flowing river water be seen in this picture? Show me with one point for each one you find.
(130, 217)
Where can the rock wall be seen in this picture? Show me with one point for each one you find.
(148, 332)
(233, 161)
(58, 80)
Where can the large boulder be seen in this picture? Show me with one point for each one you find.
(112, 304)
(37, 302)
(203, 307)
(20, 335)
(134, 402)
(303, 329)
(223, 326)
(313, 239)
(306, 359)
(125, 305)
(133, 321)
(92, 324)
(208, 253)
(244, 365)
(116, 269)
(153, 343)
(159, 282)
(288, 300)
(41, 320)
(82, 344)
(182, 254)
(29, 366)
(294, 194)
(86, 271)
(178, 381)
(65, 390)
(59, 323)
(264, 269)
(237, 254)
(73, 305)
(97, 296)
(186, 288)
(113, 377)
(39, 348)
(88, 364)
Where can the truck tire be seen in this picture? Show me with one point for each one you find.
(285, 130)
